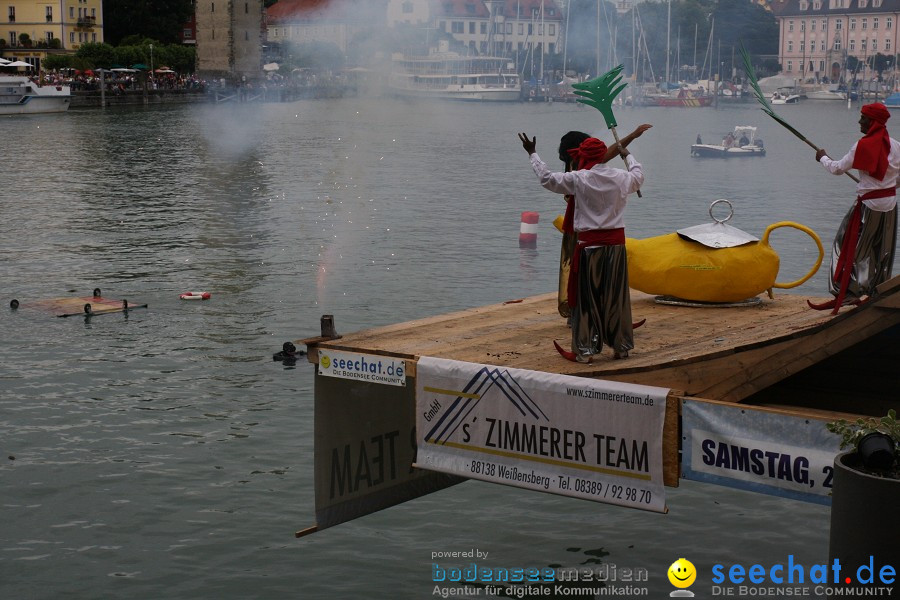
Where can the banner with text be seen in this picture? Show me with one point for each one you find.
(362, 367)
(758, 450)
(573, 436)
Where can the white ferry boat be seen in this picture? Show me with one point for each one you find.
(451, 76)
(20, 95)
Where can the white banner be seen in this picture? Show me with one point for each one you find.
(760, 451)
(573, 436)
(362, 367)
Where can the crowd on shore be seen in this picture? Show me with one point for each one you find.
(120, 82)
(117, 82)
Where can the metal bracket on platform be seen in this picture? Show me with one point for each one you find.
(328, 333)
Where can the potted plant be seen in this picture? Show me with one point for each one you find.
(875, 443)
(865, 493)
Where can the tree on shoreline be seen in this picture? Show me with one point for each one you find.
(161, 20)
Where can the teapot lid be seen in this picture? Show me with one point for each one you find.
(718, 234)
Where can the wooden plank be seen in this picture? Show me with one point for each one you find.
(671, 439)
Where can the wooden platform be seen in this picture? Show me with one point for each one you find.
(78, 306)
(725, 354)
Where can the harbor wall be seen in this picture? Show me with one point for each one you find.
(93, 98)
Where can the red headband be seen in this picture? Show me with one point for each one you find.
(876, 111)
(873, 149)
(591, 152)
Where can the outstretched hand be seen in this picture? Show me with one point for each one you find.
(820, 153)
(641, 129)
(529, 145)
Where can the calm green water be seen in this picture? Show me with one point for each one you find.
(164, 454)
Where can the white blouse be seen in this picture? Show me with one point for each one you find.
(867, 183)
(600, 192)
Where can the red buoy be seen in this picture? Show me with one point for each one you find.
(528, 229)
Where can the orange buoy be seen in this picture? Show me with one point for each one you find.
(528, 229)
(195, 296)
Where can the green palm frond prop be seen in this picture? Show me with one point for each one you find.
(761, 98)
(767, 108)
(601, 92)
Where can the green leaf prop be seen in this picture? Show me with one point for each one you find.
(767, 108)
(601, 92)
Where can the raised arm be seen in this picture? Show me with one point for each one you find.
(614, 149)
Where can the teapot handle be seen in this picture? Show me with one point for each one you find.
(807, 231)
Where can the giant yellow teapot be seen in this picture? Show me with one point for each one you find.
(710, 263)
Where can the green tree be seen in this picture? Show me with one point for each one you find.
(159, 19)
(54, 62)
(94, 55)
(129, 55)
(583, 36)
(880, 63)
(731, 23)
(740, 21)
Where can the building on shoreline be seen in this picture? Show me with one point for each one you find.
(817, 37)
(229, 39)
(32, 29)
(493, 27)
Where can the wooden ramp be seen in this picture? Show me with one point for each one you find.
(726, 354)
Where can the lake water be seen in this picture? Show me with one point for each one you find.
(164, 454)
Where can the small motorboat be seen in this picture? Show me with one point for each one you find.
(785, 98)
(741, 142)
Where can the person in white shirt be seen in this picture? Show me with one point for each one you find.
(862, 255)
(598, 283)
(568, 149)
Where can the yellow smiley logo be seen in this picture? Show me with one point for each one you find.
(682, 573)
(326, 362)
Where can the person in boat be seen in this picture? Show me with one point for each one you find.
(699, 139)
(598, 284)
(728, 142)
(568, 145)
(862, 255)
(744, 140)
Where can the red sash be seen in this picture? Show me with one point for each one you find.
(569, 217)
(844, 267)
(587, 239)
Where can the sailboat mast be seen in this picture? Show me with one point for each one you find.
(668, 42)
(678, 56)
(634, 59)
(598, 37)
(695, 50)
(543, 41)
(566, 40)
